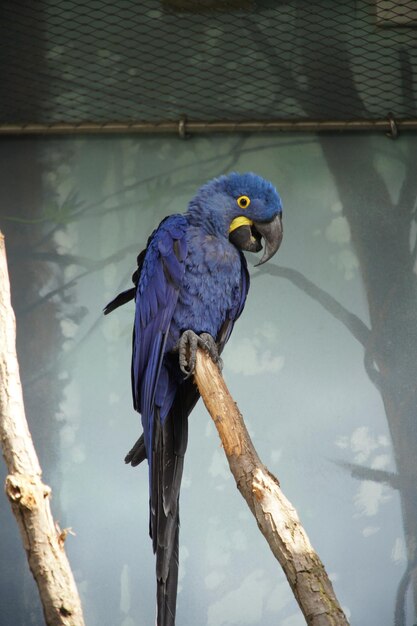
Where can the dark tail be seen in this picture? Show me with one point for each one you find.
(168, 463)
(166, 589)
(169, 446)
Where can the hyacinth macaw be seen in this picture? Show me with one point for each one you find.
(190, 287)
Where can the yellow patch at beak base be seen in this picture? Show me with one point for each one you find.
(239, 221)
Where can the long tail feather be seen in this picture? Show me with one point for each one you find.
(170, 446)
(166, 590)
(166, 481)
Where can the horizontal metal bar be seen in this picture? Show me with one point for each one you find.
(184, 127)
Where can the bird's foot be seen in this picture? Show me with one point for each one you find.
(210, 346)
(187, 350)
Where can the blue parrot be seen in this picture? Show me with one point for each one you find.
(190, 287)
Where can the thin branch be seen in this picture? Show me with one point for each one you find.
(352, 322)
(276, 517)
(62, 260)
(98, 265)
(28, 496)
(368, 473)
(400, 601)
(63, 357)
(85, 208)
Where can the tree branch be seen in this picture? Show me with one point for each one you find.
(276, 517)
(95, 267)
(368, 473)
(29, 497)
(360, 331)
(352, 322)
(400, 601)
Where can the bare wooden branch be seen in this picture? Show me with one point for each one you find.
(276, 517)
(29, 497)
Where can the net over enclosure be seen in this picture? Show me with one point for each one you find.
(152, 62)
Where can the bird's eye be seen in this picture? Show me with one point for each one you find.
(243, 202)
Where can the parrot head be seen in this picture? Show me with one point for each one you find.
(243, 207)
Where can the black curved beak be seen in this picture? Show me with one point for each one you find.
(248, 237)
(272, 233)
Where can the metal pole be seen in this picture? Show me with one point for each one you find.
(184, 128)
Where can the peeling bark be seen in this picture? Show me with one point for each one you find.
(29, 497)
(276, 517)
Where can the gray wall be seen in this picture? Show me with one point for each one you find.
(75, 213)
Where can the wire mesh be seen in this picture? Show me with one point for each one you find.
(156, 60)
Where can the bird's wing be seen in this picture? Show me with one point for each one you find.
(234, 313)
(164, 403)
(156, 297)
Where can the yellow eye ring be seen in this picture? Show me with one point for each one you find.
(243, 202)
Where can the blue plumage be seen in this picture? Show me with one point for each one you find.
(191, 277)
